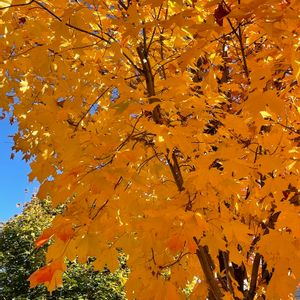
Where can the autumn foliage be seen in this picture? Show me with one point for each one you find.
(171, 130)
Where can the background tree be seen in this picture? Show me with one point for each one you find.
(173, 128)
(19, 258)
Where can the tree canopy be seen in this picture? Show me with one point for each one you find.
(19, 258)
(170, 129)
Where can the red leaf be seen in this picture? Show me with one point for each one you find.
(220, 12)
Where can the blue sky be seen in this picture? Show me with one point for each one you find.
(15, 188)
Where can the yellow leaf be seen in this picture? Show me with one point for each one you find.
(24, 86)
(265, 114)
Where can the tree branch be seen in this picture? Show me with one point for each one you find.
(176, 172)
(227, 272)
(132, 63)
(146, 70)
(254, 275)
(68, 24)
(238, 32)
(204, 259)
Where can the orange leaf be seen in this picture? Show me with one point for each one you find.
(50, 275)
(44, 238)
(63, 231)
(175, 243)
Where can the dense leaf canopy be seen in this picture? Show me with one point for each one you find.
(171, 128)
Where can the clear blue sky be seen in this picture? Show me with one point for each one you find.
(15, 188)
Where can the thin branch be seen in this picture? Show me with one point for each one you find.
(263, 35)
(243, 53)
(145, 162)
(87, 32)
(297, 131)
(167, 60)
(57, 18)
(130, 135)
(153, 32)
(91, 106)
(152, 257)
(48, 10)
(130, 77)
(83, 47)
(68, 24)
(177, 260)
(161, 40)
(238, 32)
(25, 51)
(118, 182)
(132, 63)
(151, 40)
(99, 209)
(145, 41)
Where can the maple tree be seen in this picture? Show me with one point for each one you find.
(171, 130)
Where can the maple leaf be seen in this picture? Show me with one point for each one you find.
(50, 275)
(61, 228)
